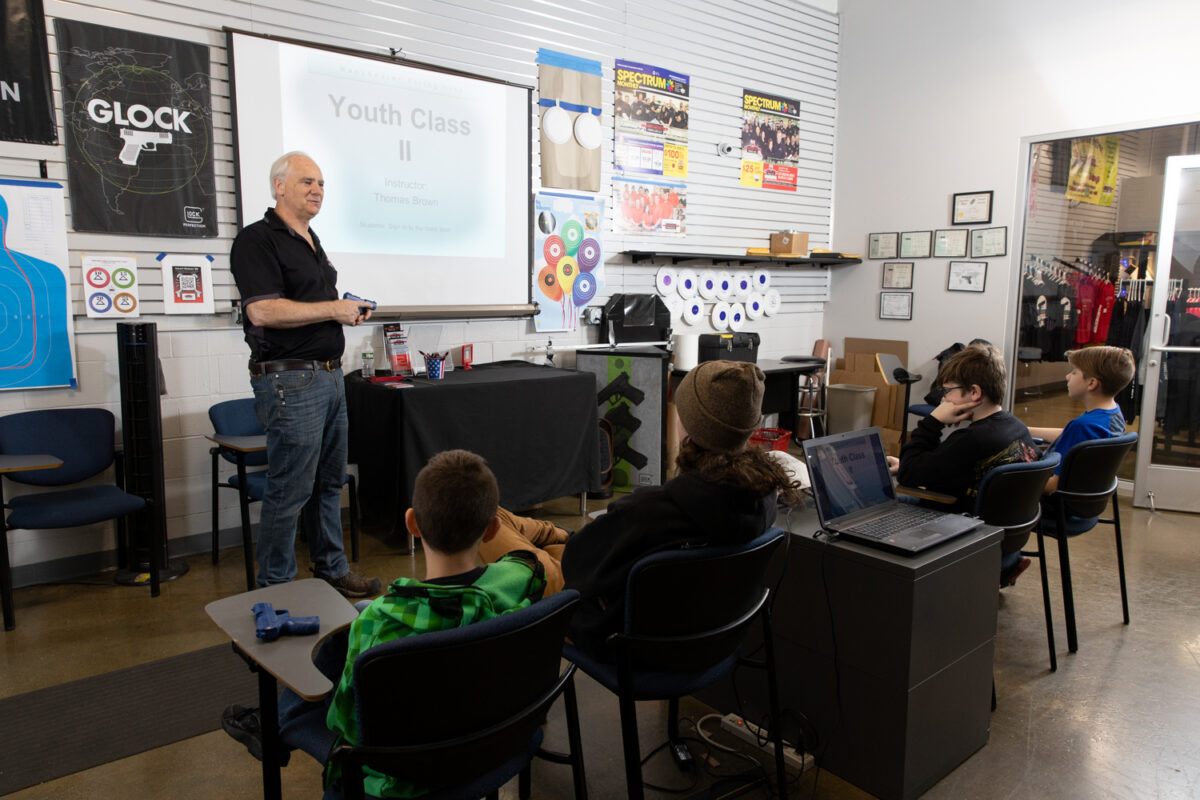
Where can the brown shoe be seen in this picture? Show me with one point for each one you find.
(354, 585)
(1009, 577)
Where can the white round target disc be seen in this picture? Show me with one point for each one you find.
(587, 131)
(687, 284)
(720, 316)
(674, 305)
(665, 280)
(693, 311)
(762, 280)
(725, 286)
(756, 306)
(737, 317)
(708, 285)
(743, 285)
(556, 124)
(773, 302)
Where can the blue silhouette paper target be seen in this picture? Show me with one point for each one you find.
(35, 321)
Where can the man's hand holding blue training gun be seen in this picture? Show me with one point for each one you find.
(271, 624)
(348, 296)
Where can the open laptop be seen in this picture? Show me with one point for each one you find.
(854, 495)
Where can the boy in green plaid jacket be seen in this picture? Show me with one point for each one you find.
(455, 500)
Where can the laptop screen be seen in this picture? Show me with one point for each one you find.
(849, 472)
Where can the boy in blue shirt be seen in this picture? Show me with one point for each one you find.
(1097, 376)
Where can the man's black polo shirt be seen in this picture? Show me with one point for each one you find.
(269, 260)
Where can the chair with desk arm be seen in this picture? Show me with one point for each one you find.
(83, 440)
(665, 654)
(238, 418)
(472, 721)
(1010, 497)
(1086, 482)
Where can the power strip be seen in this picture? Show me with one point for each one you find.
(753, 734)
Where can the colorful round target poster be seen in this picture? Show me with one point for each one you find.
(568, 264)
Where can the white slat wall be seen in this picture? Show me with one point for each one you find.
(778, 46)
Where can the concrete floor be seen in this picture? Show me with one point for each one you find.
(1119, 719)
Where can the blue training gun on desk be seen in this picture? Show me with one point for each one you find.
(271, 624)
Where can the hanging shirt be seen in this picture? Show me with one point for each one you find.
(1105, 299)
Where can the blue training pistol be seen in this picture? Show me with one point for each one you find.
(348, 296)
(271, 624)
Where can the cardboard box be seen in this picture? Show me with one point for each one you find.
(789, 243)
(860, 367)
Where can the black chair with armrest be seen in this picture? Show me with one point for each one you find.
(1087, 480)
(687, 613)
(84, 440)
(238, 418)
(470, 719)
(1010, 497)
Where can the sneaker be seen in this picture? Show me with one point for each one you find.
(354, 585)
(245, 726)
(1009, 576)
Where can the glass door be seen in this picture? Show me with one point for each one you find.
(1168, 453)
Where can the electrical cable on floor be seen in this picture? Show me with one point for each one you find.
(707, 762)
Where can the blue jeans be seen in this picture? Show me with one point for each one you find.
(304, 415)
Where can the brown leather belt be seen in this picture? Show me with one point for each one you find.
(258, 368)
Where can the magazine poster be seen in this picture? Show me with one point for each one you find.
(137, 117)
(26, 102)
(650, 121)
(1093, 171)
(770, 141)
(568, 259)
(649, 207)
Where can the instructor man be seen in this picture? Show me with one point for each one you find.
(293, 323)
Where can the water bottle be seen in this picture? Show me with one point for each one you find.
(368, 361)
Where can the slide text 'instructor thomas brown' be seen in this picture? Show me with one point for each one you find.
(293, 324)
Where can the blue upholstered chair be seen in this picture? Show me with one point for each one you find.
(503, 675)
(238, 418)
(1087, 480)
(687, 613)
(83, 439)
(1010, 497)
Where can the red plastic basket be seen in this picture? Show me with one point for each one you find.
(771, 438)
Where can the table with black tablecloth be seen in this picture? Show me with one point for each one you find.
(535, 425)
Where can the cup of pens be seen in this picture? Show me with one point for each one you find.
(433, 365)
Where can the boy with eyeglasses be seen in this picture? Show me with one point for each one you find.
(973, 383)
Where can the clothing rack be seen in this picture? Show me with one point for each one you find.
(1138, 289)
(1040, 267)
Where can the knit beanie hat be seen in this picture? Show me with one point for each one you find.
(720, 404)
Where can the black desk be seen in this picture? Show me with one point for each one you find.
(910, 697)
(781, 389)
(535, 425)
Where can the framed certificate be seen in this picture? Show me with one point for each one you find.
(989, 242)
(950, 243)
(882, 245)
(916, 244)
(897, 274)
(971, 208)
(895, 305)
(966, 276)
